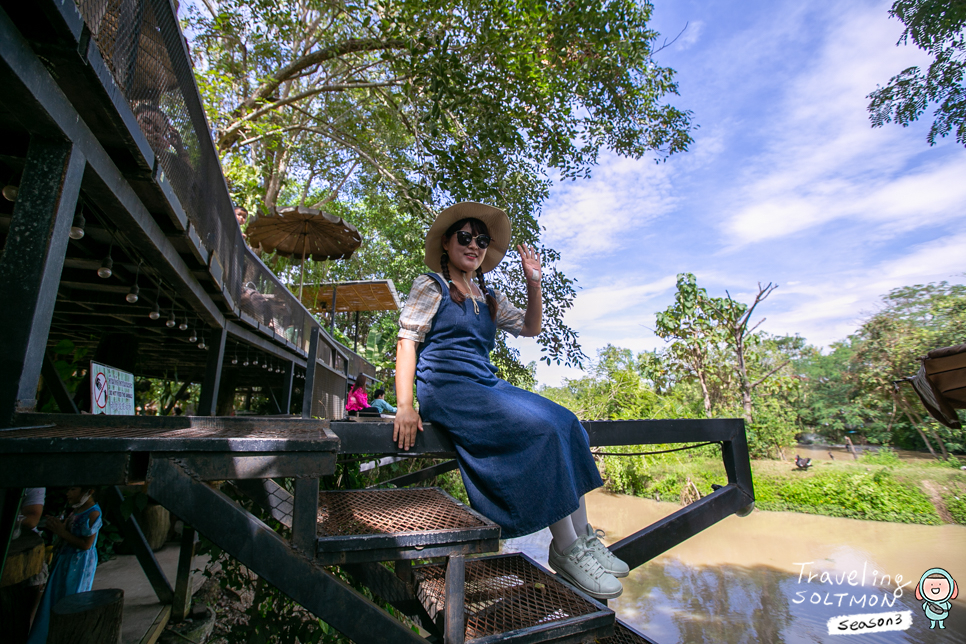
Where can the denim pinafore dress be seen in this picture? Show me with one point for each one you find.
(525, 460)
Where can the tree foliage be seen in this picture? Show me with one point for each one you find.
(385, 110)
(937, 27)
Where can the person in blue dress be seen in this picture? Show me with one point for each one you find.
(74, 565)
(525, 461)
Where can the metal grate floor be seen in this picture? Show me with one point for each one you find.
(507, 596)
(624, 635)
(369, 512)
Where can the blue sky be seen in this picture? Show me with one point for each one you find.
(785, 182)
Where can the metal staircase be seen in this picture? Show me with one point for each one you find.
(73, 119)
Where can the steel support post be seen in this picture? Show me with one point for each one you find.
(10, 499)
(57, 387)
(455, 630)
(305, 535)
(182, 585)
(260, 548)
(288, 375)
(208, 403)
(134, 536)
(31, 264)
(308, 393)
(332, 325)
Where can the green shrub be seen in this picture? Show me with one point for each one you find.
(883, 456)
(956, 504)
(859, 495)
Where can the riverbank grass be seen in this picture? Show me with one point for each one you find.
(877, 487)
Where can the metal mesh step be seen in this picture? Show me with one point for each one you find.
(624, 634)
(382, 525)
(509, 598)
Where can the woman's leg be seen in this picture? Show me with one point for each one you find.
(563, 533)
(579, 517)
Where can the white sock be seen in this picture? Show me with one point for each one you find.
(579, 517)
(564, 534)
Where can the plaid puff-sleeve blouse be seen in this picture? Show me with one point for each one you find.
(424, 298)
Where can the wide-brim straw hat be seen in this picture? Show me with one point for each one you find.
(496, 222)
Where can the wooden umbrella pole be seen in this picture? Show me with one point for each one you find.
(305, 239)
(302, 279)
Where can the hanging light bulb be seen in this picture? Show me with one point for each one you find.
(155, 312)
(234, 359)
(255, 361)
(132, 295)
(184, 325)
(193, 337)
(171, 320)
(107, 265)
(201, 344)
(77, 228)
(264, 365)
(245, 364)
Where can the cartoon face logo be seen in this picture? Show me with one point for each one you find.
(935, 590)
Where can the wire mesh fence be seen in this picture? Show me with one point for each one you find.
(142, 45)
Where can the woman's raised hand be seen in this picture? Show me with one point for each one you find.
(405, 425)
(530, 259)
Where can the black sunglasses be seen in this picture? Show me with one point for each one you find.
(464, 238)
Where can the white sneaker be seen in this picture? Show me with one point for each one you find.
(604, 557)
(578, 565)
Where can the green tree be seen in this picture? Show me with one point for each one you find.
(388, 109)
(913, 320)
(937, 27)
(693, 328)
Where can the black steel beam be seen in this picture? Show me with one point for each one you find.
(181, 605)
(35, 99)
(288, 374)
(230, 467)
(208, 401)
(31, 263)
(235, 434)
(63, 470)
(262, 343)
(376, 438)
(262, 550)
(271, 497)
(10, 498)
(56, 387)
(392, 589)
(604, 433)
(308, 387)
(305, 515)
(420, 475)
(135, 537)
(454, 629)
(661, 536)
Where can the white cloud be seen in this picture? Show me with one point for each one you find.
(598, 216)
(823, 162)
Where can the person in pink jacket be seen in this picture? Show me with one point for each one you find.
(357, 400)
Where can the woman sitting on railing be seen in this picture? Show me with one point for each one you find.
(526, 461)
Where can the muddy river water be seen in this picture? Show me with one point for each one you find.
(759, 578)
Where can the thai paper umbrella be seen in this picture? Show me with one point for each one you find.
(304, 233)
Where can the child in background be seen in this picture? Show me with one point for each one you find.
(379, 402)
(74, 564)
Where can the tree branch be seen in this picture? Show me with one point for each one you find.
(769, 374)
(350, 46)
(230, 135)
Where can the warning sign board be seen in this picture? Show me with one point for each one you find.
(112, 391)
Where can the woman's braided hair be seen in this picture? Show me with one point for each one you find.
(478, 228)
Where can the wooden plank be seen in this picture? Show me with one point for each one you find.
(154, 631)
